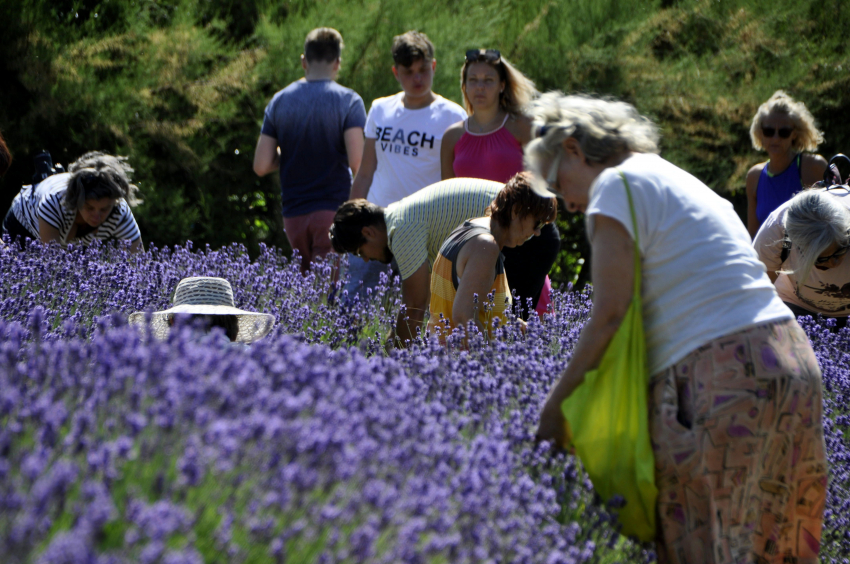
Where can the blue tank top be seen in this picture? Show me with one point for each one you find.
(773, 191)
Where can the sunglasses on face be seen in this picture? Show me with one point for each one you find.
(784, 132)
(486, 55)
(837, 254)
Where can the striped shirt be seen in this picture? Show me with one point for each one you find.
(46, 201)
(418, 224)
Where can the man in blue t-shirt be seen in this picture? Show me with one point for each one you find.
(313, 133)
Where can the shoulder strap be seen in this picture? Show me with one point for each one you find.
(786, 248)
(637, 235)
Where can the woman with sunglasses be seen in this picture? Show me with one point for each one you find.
(469, 270)
(802, 244)
(489, 145)
(784, 128)
(735, 398)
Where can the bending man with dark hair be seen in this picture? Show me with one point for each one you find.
(90, 202)
(412, 231)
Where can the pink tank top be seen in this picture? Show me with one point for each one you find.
(495, 156)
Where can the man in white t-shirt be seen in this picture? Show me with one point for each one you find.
(401, 154)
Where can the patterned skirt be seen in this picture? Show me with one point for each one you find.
(739, 450)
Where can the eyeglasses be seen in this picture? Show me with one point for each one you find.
(486, 55)
(784, 132)
(837, 254)
(552, 179)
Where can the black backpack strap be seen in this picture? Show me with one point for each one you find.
(786, 248)
(832, 175)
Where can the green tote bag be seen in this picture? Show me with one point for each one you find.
(608, 419)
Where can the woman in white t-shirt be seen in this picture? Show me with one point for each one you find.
(733, 379)
(802, 243)
(90, 202)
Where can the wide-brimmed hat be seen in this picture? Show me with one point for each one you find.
(205, 295)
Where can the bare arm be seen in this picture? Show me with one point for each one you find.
(416, 295)
(812, 168)
(753, 175)
(368, 165)
(266, 155)
(353, 138)
(137, 246)
(47, 232)
(476, 270)
(447, 150)
(613, 286)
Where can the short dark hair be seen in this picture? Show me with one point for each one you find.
(98, 175)
(5, 156)
(410, 47)
(519, 196)
(323, 44)
(347, 229)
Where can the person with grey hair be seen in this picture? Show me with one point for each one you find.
(784, 128)
(91, 201)
(802, 244)
(733, 381)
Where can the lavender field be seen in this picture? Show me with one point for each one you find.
(311, 445)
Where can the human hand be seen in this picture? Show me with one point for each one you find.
(553, 426)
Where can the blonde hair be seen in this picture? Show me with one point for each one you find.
(603, 128)
(519, 89)
(808, 135)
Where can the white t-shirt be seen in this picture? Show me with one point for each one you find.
(825, 291)
(407, 143)
(701, 278)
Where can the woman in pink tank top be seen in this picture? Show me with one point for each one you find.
(489, 145)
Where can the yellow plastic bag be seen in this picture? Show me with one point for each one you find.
(608, 423)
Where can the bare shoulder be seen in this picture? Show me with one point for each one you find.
(753, 177)
(812, 167)
(454, 131)
(813, 162)
(520, 126)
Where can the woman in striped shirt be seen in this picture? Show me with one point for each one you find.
(90, 202)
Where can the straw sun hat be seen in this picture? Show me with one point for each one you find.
(204, 295)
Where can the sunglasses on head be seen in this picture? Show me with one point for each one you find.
(784, 132)
(487, 55)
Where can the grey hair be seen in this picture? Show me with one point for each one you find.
(813, 222)
(97, 175)
(604, 128)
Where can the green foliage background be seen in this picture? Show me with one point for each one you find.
(180, 85)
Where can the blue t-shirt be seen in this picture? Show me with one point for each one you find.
(308, 119)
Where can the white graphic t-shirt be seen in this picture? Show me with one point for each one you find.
(407, 143)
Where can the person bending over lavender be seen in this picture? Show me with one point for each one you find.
(91, 201)
(735, 392)
(208, 300)
(470, 262)
(802, 244)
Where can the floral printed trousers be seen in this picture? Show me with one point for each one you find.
(739, 450)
